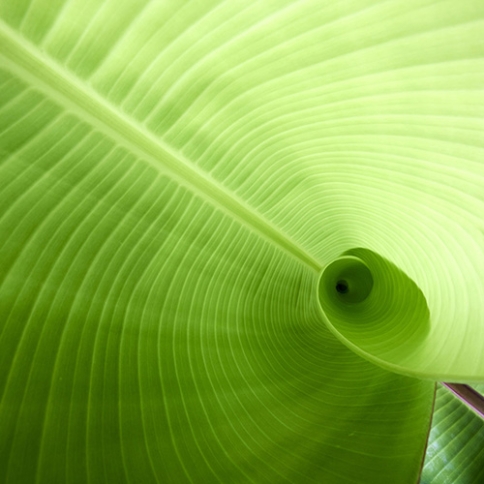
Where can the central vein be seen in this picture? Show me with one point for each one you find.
(32, 65)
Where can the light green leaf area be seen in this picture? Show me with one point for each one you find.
(356, 124)
(174, 177)
(455, 454)
(380, 311)
(149, 337)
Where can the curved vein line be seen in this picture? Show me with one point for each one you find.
(32, 65)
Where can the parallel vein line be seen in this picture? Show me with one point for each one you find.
(35, 67)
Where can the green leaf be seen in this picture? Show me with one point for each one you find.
(456, 444)
(375, 308)
(149, 336)
(175, 176)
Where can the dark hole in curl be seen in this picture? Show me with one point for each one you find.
(342, 287)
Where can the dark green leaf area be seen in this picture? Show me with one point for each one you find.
(455, 453)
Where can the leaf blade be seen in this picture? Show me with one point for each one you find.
(148, 335)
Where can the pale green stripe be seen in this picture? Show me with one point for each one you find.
(32, 65)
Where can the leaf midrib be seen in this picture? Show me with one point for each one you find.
(35, 67)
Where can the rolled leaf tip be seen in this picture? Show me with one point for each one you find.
(374, 308)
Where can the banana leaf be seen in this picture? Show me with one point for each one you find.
(239, 241)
